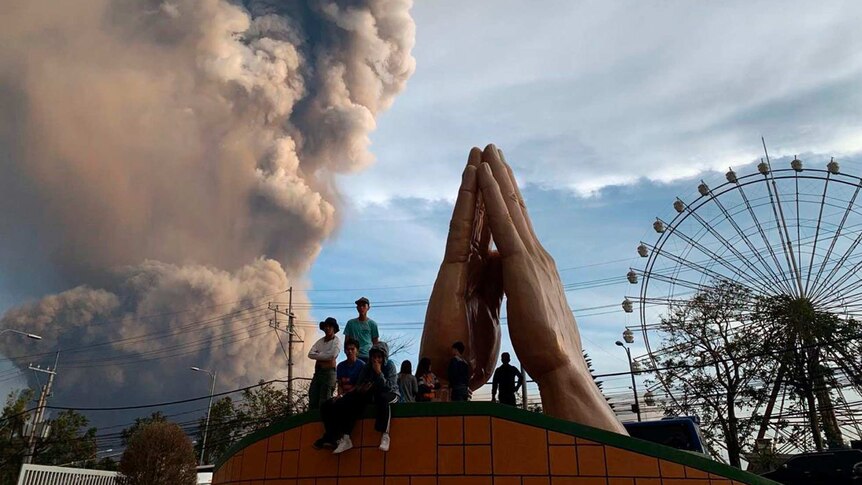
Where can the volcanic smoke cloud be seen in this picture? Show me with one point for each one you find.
(161, 156)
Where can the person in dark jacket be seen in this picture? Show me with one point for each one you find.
(504, 381)
(458, 374)
(378, 384)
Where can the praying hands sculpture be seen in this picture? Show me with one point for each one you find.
(467, 295)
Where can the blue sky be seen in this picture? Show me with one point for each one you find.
(607, 112)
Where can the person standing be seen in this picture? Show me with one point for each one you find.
(428, 383)
(324, 352)
(458, 374)
(349, 369)
(407, 382)
(363, 329)
(504, 381)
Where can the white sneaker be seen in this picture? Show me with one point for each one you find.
(344, 444)
(384, 442)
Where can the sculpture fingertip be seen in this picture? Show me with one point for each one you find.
(486, 176)
(469, 175)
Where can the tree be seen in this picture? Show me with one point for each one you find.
(599, 383)
(262, 405)
(127, 433)
(398, 343)
(158, 453)
(711, 367)
(809, 344)
(69, 441)
(258, 408)
(13, 443)
(223, 430)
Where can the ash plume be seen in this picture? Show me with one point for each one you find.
(165, 166)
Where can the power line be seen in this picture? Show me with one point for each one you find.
(171, 403)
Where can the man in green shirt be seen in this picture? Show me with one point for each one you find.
(363, 329)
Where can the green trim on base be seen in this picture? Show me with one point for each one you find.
(435, 409)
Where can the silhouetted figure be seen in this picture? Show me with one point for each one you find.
(458, 374)
(504, 381)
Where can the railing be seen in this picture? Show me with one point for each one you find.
(55, 475)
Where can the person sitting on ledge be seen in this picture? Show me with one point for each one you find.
(347, 372)
(378, 384)
(458, 374)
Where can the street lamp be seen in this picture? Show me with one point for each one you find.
(636, 406)
(95, 457)
(207, 425)
(28, 335)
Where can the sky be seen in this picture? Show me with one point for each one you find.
(607, 112)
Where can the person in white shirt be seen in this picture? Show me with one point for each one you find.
(324, 352)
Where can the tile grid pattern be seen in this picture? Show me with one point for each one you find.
(452, 450)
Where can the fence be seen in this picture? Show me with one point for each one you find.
(55, 475)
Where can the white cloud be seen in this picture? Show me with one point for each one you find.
(586, 95)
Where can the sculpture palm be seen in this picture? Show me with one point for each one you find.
(465, 302)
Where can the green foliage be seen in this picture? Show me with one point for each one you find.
(158, 453)
(810, 344)
(712, 367)
(13, 443)
(69, 442)
(223, 430)
(262, 405)
(258, 408)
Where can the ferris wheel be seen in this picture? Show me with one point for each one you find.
(792, 234)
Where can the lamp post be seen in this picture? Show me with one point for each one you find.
(636, 406)
(28, 335)
(209, 408)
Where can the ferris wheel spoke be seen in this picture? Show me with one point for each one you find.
(850, 413)
(820, 287)
(847, 363)
(745, 238)
(783, 233)
(825, 286)
(735, 271)
(727, 244)
(681, 282)
(808, 281)
(798, 224)
(850, 293)
(770, 403)
(699, 268)
(784, 281)
(837, 236)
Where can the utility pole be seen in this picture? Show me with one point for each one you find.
(292, 338)
(37, 426)
(523, 388)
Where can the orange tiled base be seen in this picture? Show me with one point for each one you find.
(452, 450)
